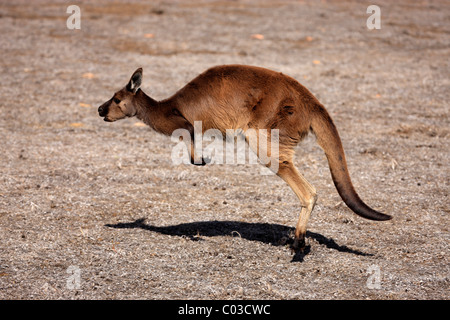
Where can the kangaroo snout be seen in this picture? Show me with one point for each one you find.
(102, 111)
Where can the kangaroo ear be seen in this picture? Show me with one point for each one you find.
(135, 81)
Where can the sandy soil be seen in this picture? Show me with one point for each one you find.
(90, 209)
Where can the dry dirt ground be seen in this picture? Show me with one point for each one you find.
(94, 210)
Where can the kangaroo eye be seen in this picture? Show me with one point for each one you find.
(117, 101)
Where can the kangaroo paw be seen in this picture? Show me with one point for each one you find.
(299, 244)
(204, 162)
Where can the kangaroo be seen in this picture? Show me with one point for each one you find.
(248, 97)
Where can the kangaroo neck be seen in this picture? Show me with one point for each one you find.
(150, 111)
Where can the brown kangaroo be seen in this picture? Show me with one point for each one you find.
(247, 97)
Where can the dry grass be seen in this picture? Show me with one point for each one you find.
(76, 191)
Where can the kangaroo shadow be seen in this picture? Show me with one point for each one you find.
(273, 234)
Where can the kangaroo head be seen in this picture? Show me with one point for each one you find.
(123, 102)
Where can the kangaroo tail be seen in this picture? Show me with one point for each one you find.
(328, 138)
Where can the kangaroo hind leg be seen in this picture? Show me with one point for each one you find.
(307, 196)
(282, 157)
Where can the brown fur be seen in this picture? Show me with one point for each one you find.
(247, 97)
